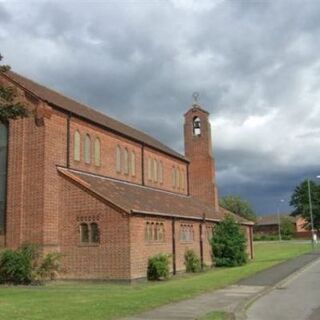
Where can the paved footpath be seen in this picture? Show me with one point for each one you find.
(295, 299)
(230, 298)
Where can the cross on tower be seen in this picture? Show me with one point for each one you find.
(195, 96)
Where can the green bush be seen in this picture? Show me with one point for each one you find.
(191, 261)
(158, 267)
(24, 265)
(15, 268)
(229, 244)
(265, 237)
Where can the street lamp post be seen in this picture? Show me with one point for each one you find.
(279, 221)
(311, 213)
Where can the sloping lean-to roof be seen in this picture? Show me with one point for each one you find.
(58, 100)
(132, 198)
(273, 219)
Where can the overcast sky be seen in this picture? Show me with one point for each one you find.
(256, 65)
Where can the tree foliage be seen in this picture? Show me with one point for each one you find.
(229, 244)
(238, 206)
(300, 201)
(286, 227)
(9, 107)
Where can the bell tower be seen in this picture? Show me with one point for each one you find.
(198, 149)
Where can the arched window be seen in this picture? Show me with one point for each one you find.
(76, 146)
(97, 152)
(173, 177)
(133, 163)
(177, 174)
(87, 149)
(155, 170)
(95, 236)
(196, 126)
(84, 233)
(118, 159)
(126, 161)
(182, 180)
(160, 172)
(152, 231)
(156, 232)
(161, 232)
(149, 168)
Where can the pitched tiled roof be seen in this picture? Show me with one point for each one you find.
(70, 105)
(133, 198)
(272, 219)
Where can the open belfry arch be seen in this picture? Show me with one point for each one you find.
(105, 195)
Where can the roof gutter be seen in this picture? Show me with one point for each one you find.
(179, 216)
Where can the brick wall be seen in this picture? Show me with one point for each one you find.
(141, 249)
(108, 260)
(25, 202)
(109, 143)
(168, 164)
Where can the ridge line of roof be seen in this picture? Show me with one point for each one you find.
(171, 152)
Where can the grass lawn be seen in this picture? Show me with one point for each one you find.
(86, 301)
(216, 315)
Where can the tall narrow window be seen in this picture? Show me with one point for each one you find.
(155, 170)
(182, 180)
(3, 172)
(97, 152)
(133, 163)
(149, 168)
(126, 161)
(84, 233)
(76, 145)
(118, 159)
(94, 233)
(160, 172)
(87, 149)
(173, 177)
(177, 174)
(196, 126)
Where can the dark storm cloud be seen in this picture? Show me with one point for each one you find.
(4, 15)
(255, 63)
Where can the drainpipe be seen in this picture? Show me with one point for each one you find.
(201, 240)
(188, 182)
(142, 164)
(68, 139)
(174, 268)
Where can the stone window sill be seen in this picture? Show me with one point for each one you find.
(89, 245)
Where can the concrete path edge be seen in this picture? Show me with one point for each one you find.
(240, 312)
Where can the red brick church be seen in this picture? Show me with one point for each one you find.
(105, 195)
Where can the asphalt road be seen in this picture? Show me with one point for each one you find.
(280, 271)
(297, 299)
